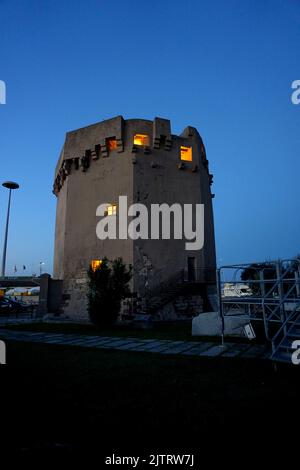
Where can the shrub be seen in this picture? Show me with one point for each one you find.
(108, 285)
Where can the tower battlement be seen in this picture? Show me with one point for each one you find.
(135, 136)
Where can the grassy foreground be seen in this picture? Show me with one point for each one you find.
(175, 332)
(58, 399)
(182, 331)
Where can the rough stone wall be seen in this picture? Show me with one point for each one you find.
(74, 302)
(183, 307)
(164, 178)
(60, 231)
(89, 174)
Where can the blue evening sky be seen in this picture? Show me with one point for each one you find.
(225, 67)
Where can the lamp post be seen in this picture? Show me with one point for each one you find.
(9, 185)
(41, 264)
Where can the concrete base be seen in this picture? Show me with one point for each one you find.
(209, 324)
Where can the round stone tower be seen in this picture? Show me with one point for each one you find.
(142, 160)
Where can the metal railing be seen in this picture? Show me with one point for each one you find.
(166, 289)
(267, 291)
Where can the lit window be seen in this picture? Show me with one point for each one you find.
(112, 209)
(95, 264)
(141, 139)
(186, 153)
(111, 143)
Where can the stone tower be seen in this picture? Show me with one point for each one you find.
(144, 161)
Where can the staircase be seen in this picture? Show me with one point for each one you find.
(155, 303)
(274, 301)
(167, 291)
(282, 341)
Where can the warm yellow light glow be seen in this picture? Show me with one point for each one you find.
(112, 209)
(96, 263)
(111, 143)
(141, 139)
(186, 153)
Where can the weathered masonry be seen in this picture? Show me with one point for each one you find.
(144, 161)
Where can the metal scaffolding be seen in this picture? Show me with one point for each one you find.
(268, 292)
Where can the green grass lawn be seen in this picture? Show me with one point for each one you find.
(181, 331)
(57, 399)
(176, 332)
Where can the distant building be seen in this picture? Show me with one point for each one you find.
(144, 161)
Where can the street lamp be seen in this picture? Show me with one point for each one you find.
(9, 185)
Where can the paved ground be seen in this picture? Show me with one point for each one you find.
(191, 348)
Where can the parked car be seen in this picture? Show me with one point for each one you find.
(9, 306)
(236, 290)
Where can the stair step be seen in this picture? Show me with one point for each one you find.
(293, 335)
(296, 328)
(282, 356)
(158, 298)
(284, 350)
(286, 342)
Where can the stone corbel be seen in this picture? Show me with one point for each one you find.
(94, 155)
(120, 145)
(55, 188)
(168, 144)
(156, 142)
(68, 166)
(103, 148)
(63, 174)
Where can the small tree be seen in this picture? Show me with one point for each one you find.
(108, 286)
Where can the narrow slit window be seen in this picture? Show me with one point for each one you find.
(112, 209)
(96, 264)
(141, 139)
(186, 153)
(111, 143)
